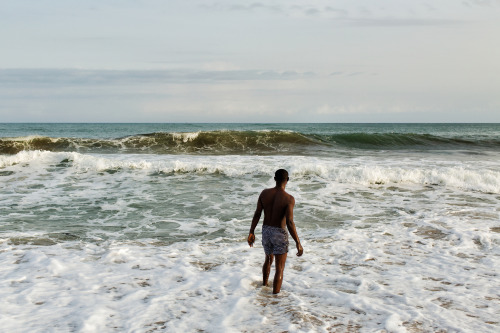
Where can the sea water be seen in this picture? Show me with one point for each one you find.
(142, 227)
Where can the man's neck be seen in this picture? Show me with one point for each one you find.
(280, 186)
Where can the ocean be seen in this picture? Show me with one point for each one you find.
(142, 227)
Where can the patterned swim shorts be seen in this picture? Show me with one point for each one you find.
(274, 240)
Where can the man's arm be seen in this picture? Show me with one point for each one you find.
(291, 226)
(255, 221)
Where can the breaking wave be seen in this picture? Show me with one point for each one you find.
(245, 142)
(301, 169)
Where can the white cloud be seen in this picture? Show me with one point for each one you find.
(365, 13)
(365, 108)
(220, 66)
(487, 3)
(72, 77)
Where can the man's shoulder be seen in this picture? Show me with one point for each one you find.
(290, 198)
(264, 191)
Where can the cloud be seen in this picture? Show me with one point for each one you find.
(399, 22)
(483, 3)
(256, 5)
(244, 7)
(288, 10)
(349, 15)
(105, 77)
(327, 109)
(369, 108)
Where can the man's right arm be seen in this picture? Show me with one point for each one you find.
(291, 226)
(255, 221)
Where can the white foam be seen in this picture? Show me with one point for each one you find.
(21, 157)
(347, 279)
(185, 136)
(364, 172)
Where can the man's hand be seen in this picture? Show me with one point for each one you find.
(300, 250)
(251, 239)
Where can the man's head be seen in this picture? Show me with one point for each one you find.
(281, 176)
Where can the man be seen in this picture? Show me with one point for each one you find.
(278, 213)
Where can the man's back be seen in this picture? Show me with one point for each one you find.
(276, 202)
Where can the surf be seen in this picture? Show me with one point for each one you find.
(248, 142)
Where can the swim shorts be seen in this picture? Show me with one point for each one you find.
(274, 240)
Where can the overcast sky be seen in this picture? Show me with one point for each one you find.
(248, 61)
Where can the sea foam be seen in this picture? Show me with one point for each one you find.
(365, 171)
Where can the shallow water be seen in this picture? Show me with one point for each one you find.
(401, 240)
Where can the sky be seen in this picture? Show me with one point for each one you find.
(250, 61)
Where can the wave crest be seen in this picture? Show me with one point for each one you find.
(247, 143)
(209, 142)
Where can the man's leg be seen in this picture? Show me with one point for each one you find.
(280, 267)
(266, 269)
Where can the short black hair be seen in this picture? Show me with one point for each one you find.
(281, 175)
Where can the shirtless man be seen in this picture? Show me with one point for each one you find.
(278, 213)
